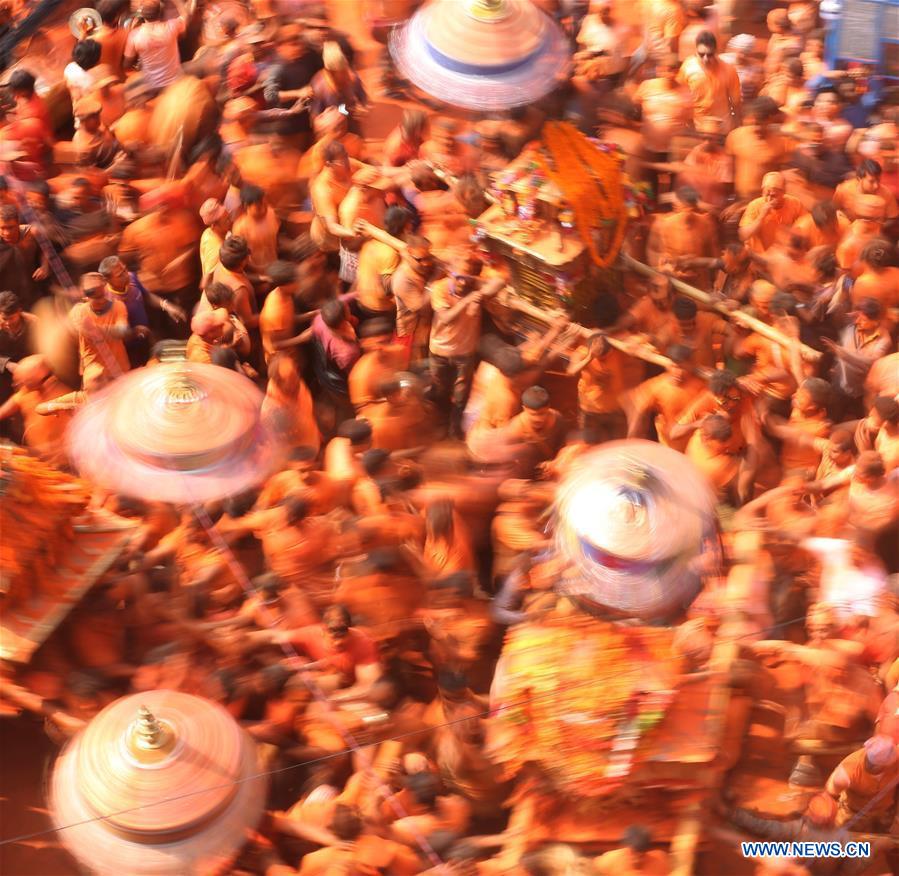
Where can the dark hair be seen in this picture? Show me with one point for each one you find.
(870, 464)
(224, 357)
(211, 146)
(239, 504)
(233, 252)
(451, 681)
(334, 151)
(887, 408)
(86, 54)
(219, 294)
(374, 460)
(250, 194)
(346, 823)
(388, 387)
(302, 453)
(825, 263)
(110, 10)
(782, 303)
(535, 398)
(794, 67)
(357, 431)
(823, 213)
(267, 582)
(469, 192)
(396, 219)
(843, 438)
(717, 428)
(8, 213)
(707, 38)
(869, 167)
(22, 82)
(870, 307)
(333, 312)
(819, 391)
(688, 195)
(762, 109)
(9, 303)
(679, 353)
(228, 680)
(637, 837)
(296, 509)
(721, 381)
(507, 360)
(384, 559)
(879, 253)
(337, 609)
(424, 788)
(684, 308)
(282, 273)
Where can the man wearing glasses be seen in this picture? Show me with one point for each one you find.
(713, 83)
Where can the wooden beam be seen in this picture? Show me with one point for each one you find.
(737, 316)
(643, 351)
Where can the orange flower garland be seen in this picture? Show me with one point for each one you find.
(590, 180)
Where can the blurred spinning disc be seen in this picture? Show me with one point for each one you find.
(484, 55)
(179, 432)
(631, 518)
(160, 782)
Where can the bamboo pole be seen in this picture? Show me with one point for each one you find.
(737, 316)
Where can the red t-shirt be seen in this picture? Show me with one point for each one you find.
(358, 649)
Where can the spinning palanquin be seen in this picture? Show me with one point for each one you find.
(595, 710)
(596, 722)
(559, 219)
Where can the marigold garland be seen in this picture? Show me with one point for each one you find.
(590, 180)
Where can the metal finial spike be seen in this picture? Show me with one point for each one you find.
(148, 730)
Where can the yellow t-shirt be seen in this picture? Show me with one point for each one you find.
(210, 244)
(377, 262)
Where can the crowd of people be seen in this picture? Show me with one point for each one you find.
(211, 193)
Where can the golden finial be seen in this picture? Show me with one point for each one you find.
(149, 733)
(487, 9)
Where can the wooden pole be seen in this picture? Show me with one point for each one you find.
(737, 316)
(643, 352)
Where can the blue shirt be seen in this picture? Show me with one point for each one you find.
(134, 299)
